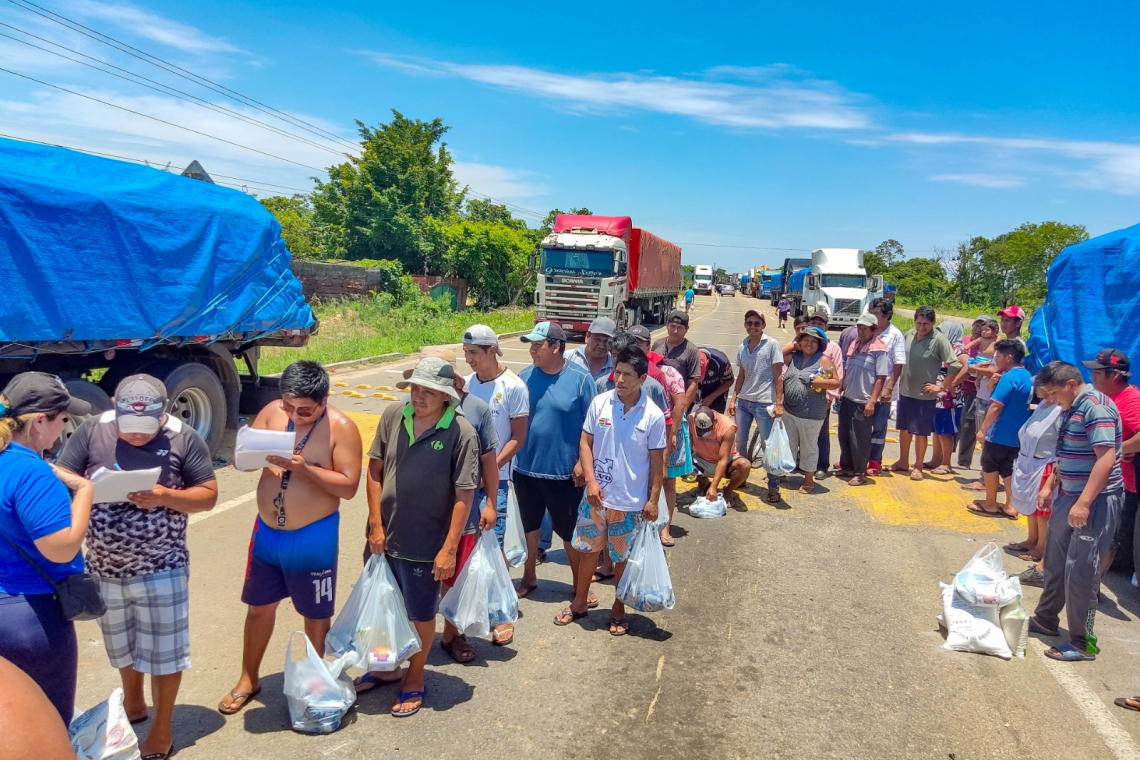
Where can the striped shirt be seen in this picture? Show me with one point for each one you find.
(1091, 421)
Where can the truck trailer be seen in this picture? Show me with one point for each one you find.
(791, 266)
(836, 280)
(603, 266)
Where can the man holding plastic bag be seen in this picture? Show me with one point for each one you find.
(622, 453)
(759, 390)
(422, 475)
(715, 455)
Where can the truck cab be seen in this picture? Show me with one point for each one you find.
(838, 281)
(581, 275)
(703, 280)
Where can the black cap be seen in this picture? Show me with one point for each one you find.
(678, 316)
(1110, 358)
(40, 393)
(639, 332)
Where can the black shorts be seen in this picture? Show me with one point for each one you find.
(559, 497)
(418, 586)
(915, 415)
(999, 458)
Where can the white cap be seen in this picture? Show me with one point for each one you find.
(481, 335)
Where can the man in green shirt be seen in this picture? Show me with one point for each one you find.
(927, 350)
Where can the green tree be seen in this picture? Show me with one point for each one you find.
(302, 236)
(477, 210)
(874, 263)
(492, 257)
(890, 251)
(377, 202)
(920, 279)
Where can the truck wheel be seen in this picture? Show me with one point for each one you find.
(196, 397)
(85, 391)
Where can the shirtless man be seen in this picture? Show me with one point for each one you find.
(294, 547)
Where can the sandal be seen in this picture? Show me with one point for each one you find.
(568, 616)
(942, 470)
(460, 651)
(600, 577)
(773, 497)
(370, 681)
(977, 508)
(503, 637)
(159, 755)
(408, 696)
(591, 601)
(621, 624)
(238, 700)
(1128, 703)
(668, 541)
(521, 591)
(858, 480)
(1068, 653)
(916, 474)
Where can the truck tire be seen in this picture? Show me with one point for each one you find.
(196, 397)
(85, 391)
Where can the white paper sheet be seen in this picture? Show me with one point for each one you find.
(254, 445)
(114, 485)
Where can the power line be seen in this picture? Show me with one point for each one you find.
(165, 89)
(161, 121)
(745, 247)
(172, 68)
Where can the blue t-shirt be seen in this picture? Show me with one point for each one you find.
(558, 406)
(33, 504)
(690, 294)
(1013, 392)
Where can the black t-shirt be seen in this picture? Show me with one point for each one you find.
(718, 371)
(124, 540)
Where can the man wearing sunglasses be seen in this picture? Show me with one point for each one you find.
(293, 550)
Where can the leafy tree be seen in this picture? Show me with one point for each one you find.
(919, 278)
(492, 257)
(477, 210)
(303, 237)
(890, 251)
(874, 263)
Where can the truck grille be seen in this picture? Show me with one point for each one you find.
(849, 307)
(571, 302)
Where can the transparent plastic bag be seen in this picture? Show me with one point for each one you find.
(373, 625)
(467, 604)
(702, 507)
(1014, 620)
(645, 585)
(514, 538)
(984, 581)
(662, 512)
(104, 732)
(319, 693)
(502, 600)
(778, 459)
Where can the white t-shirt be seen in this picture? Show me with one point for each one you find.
(896, 352)
(622, 442)
(509, 399)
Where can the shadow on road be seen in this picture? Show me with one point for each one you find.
(193, 722)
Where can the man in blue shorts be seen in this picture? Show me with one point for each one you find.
(293, 551)
(690, 294)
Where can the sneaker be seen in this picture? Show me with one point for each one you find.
(1031, 576)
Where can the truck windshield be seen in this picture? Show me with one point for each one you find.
(578, 262)
(843, 281)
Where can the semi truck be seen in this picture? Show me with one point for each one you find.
(603, 266)
(837, 280)
(764, 278)
(703, 279)
(110, 268)
(791, 266)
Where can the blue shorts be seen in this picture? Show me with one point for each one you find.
(418, 586)
(947, 421)
(500, 511)
(298, 564)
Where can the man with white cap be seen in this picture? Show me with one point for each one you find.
(423, 470)
(595, 356)
(137, 548)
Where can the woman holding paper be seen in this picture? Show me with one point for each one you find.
(42, 529)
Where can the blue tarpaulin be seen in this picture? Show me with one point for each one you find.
(96, 249)
(1093, 302)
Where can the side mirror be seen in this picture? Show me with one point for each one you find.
(811, 282)
(532, 260)
(876, 283)
(621, 268)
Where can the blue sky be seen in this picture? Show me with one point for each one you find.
(822, 124)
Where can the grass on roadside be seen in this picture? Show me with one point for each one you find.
(356, 328)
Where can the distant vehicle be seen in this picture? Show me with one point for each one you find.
(703, 279)
(837, 280)
(728, 290)
(603, 266)
(791, 266)
(764, 283)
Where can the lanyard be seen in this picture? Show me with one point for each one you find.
(279, 502)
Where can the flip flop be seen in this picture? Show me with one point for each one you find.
(136, 721)
(503, 638)
(591, 601)
(858, 480)
(1068, 653)
(668, 541)
(942, 470)
(407, 696)
(373, 680)
(561, 618)
(1124, 702)
(160, 755)
(234, 706)
(521, 591)
(916, 474)
(600, 577)
(622, 624)
(977, 510)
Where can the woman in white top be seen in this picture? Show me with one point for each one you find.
(1038, 438)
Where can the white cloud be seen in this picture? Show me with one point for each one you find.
(770, 97)
(982, 180)
(151, 26)
(498, 181)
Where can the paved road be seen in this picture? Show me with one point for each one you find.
(805, 630)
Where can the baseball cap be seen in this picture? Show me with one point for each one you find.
(704, 420)
(434, 373)
(40, 393)
(481, 335)
(544, 331)
(603, 326)
(1013, 311)
(982, 318)
(140, 402)
(639, 332)
(678, 316)
(754, 313)
(867, 320)
(1110, 358)
(822, 312)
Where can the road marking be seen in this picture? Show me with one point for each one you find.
(661, 666)
(652, 705)
(225, 506)
(1115, 737)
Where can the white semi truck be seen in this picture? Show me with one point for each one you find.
(703, 280)
(836, 279)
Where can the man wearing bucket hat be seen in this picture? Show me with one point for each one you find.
(423, 470)
(137, 548)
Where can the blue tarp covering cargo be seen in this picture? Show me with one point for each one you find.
(1092, 302)
(796, 281)
(777, 280)
(93, 249)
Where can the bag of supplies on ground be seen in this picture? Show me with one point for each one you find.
(1014, 620)
(467, 604)
(374, 622)
(104, 732)
(645, 585)
(702, 507)
(514, 538)
(983, 581)
(971, 627)
(319, 693)
(778, 458)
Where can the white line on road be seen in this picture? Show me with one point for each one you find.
(1118, 740)
(225, 506)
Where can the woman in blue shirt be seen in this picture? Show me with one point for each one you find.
(39, 516)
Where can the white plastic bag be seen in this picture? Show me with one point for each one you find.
(970, 627)
(645, 585)
(104, 733)
(319, 693)
(983, 580)
(662, 512)
(514, 538)
(1014, 620)
(702, 507)
(467, 604)
(778, 459)
(373, 625)
(502, 599)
